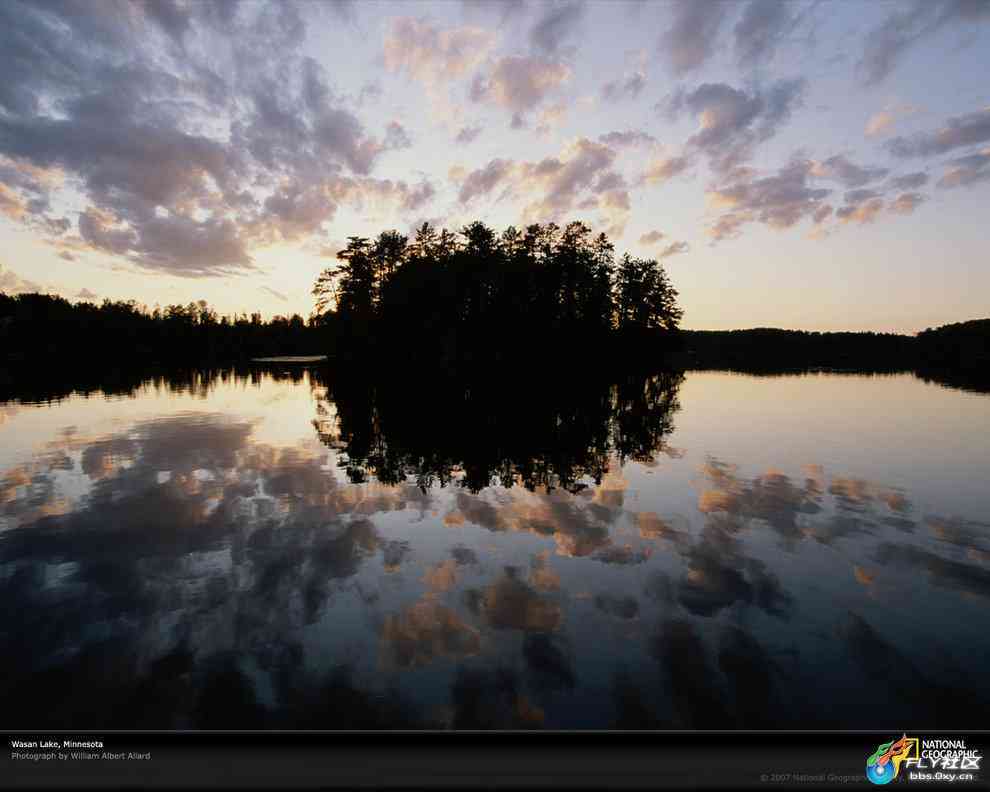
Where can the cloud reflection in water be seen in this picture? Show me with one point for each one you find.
(192, 574)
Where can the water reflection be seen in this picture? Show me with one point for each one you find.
(546, 434)
(191, 558)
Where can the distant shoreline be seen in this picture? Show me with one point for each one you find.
(291, 359)
(36, 329)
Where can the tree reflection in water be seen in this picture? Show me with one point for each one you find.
(537, 432)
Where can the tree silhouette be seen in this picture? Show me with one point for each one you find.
(478, 294)
(645, 297)
(39, 328)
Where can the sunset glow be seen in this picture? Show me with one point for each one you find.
(795, 164)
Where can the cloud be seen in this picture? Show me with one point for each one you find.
(862, 206)
(189, 248)
(616, 199)
(966, 171)
(630, 86)
(763, 25)
(12, 283)
(86, 294)
(783, 200)
(468, 134)
(519, 83)
(582, 167)
(906, 203)
(371, 91)
(778, 201)
(690, 40)
(432, 55)
(909, 24)
(727, 226)
(821, 214)
(858, 196)
(11, 204)
(293, 211)
(507, 9)
(879, 123)
(297, 210)
(674, 249)
(882, 122)
(559, 21)
(579, 167)
(910, 181)
(627, 138)
(276, 294)
(205, 138)
(663, 169)
(33, 62)
(25, 189)
(415, 198)
(102, 230)
(399, 194)
(551, 117)
(616, 207)
(959, 131)
(337, 134)
(396, 136)
(345, 10)
(734, 121)
(839, 168)
(483, 180)
(153, 165)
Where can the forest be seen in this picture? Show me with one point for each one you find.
(35, 328)
(771, 349)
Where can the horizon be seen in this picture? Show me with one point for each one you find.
(797, 166)
(233, 316)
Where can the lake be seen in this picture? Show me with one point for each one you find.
(289, 547)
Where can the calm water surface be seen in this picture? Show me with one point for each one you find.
(709, 551)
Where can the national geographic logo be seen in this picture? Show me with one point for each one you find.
(924, 759)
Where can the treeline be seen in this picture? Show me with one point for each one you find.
(771, 349)
(40, 327)
(957, 355)
(475, 296)
(964, 346)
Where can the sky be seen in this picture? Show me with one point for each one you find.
(811, 165)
